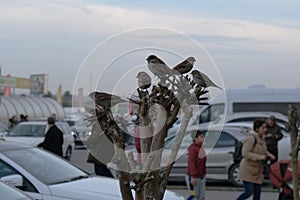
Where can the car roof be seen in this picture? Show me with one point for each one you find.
(7, 145)
(40, 122)
(237, 115)
(258, 114)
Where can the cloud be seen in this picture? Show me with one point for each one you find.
(106, 20)
(57, 29)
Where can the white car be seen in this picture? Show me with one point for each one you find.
(46, 176)
(33, 133)
(8, 192)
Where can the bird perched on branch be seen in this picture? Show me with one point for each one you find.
(158, 67)
(144, 80)
(105, 100)
(203, 80)
(185, 66)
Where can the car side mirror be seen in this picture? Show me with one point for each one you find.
(15, 180)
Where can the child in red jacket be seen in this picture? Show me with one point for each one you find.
(196, 170)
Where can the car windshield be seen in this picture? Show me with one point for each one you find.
(32, 130)
(46, 167)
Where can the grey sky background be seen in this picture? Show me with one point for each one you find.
(251, 43)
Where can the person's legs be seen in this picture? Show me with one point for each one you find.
(190, 187)
(256, 191)
(274, 151)
(102, 170)
(199, 189)
(248, 191)
(202, 189)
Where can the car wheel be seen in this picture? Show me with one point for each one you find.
(68, 154)
(234, 176)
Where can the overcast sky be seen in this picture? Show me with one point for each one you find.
(245, 42)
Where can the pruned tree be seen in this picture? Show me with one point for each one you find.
(159, 107)
(292, 126)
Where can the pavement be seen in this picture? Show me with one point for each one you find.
(224, 194)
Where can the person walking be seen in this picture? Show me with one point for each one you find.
(272, 137)
(254, 154)
(196, 169)
(53, 139)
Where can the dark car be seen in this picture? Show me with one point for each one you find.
(81, 131)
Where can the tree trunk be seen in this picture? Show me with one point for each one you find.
(293, 128)
(187, 114)
(125, 185)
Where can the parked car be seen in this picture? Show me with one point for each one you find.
(33, 133)
(81, 131)
(251, 116)
(219, 146)
(11, 193)
(46, 176)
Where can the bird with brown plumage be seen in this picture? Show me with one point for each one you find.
(185, 66)
(158, 67)
(105, 100)
(144, 80)
(203, 80)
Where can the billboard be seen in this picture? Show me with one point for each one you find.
(14, 82)
(38, 84)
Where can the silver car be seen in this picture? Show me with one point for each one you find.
(219, 146)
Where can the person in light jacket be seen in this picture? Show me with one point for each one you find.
(254, 154)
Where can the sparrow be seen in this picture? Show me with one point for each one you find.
(105, 100)
(158, 67)
(144, 80)
(185, 66)
(203, 80)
